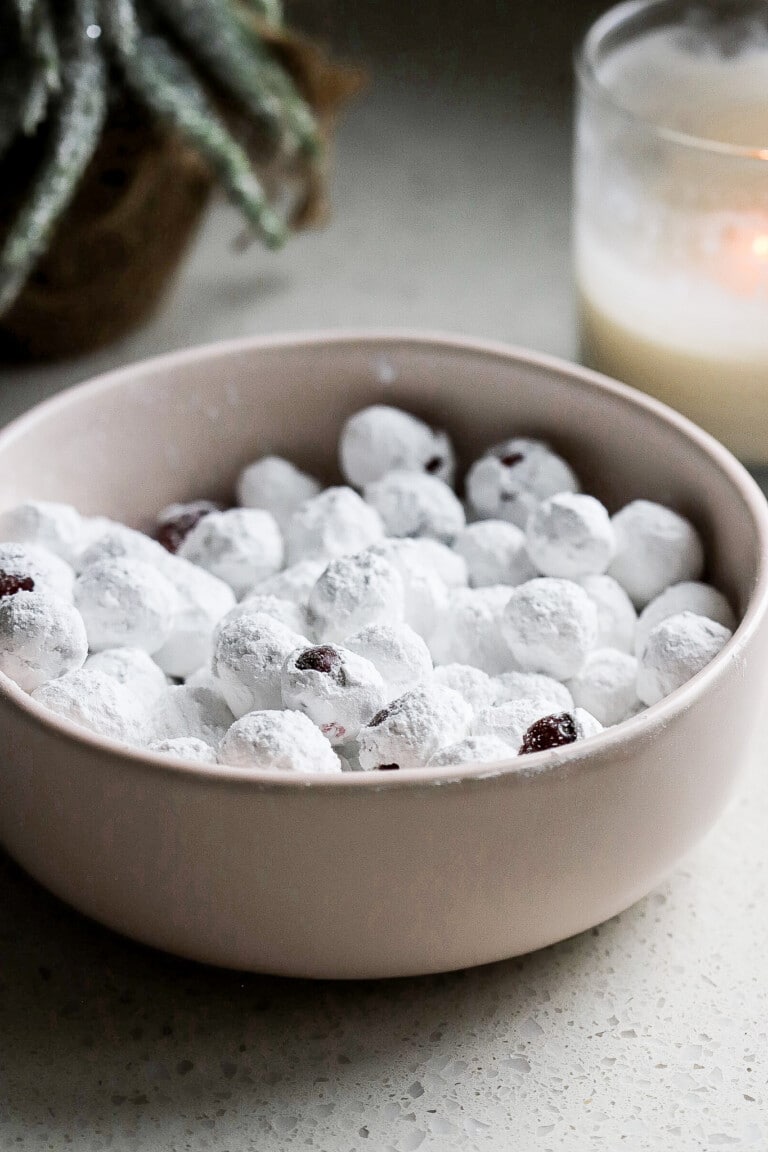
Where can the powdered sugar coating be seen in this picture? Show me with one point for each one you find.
(286, 741)
(95, 701)
(510, 721)
(532, 686)
(586, 724)
(41, 637)
(198, 712)
(473, 750)
(514, 477)
(132, 668)
(444, 561)
(606, 685)
(276, 485)
(186, 748)
(125, 603)
(616, 615)
(570, 535)
(202, 597)
(240, 546)
(675, 651)
(655, 547)
(48, 571)
(550, 626)
(203, 677)
(335, 523)
(340, 700)
(380, 439)
(425, 593)
(354, 591)
(286, 612)
(688, 596)
(293, 583)
(416, 504)
(349, 756)
(496, 643)
(58, 527)
(472, 684)
(203, 600)
(470, 630)
(495, 552)
(110, 540)
(412, 728)
(397, 652)
(248, 657)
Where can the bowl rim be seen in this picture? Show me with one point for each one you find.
(537, 765)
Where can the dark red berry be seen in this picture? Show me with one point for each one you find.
(10, 583)
(389, 768)
(433, 465)
(511, 459)
(381, 716)
(549, 732)
(172, 533)
(320, 659)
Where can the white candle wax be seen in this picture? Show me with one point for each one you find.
(672, 267)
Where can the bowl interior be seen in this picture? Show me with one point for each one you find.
(183, 426)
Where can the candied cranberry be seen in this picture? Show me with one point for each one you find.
(10, 583)
(434, 465)
(549, 732)
(172, 533)
(381, 716)
(321, 659)
(333, 731)
(511, 459)
(388, 768)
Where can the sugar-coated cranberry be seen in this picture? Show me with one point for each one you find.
(11, 583)
(549, 732)
(320, 659)
(381, 716)
(171, 533)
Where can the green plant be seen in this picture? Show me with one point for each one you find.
(63, 61)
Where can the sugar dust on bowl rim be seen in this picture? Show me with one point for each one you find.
(355, 874)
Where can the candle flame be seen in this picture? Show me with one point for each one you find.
(760, 247)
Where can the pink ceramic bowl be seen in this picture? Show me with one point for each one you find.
(368, 875)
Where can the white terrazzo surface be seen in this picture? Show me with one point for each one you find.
(649, 1033)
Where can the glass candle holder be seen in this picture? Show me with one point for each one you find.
(671, 208)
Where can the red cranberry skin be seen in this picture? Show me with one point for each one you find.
(511, 459)
(321, 659)
(11, 583)
(388, 768)
(172, 533)
(434, 465)
(381, 716)
(333, 731)
(549, 732)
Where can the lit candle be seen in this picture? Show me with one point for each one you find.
(671, 214)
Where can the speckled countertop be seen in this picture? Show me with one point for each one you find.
(648, 1033)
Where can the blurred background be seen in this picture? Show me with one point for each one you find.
(450, 194)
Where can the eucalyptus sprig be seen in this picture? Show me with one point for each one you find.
(63, 61)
